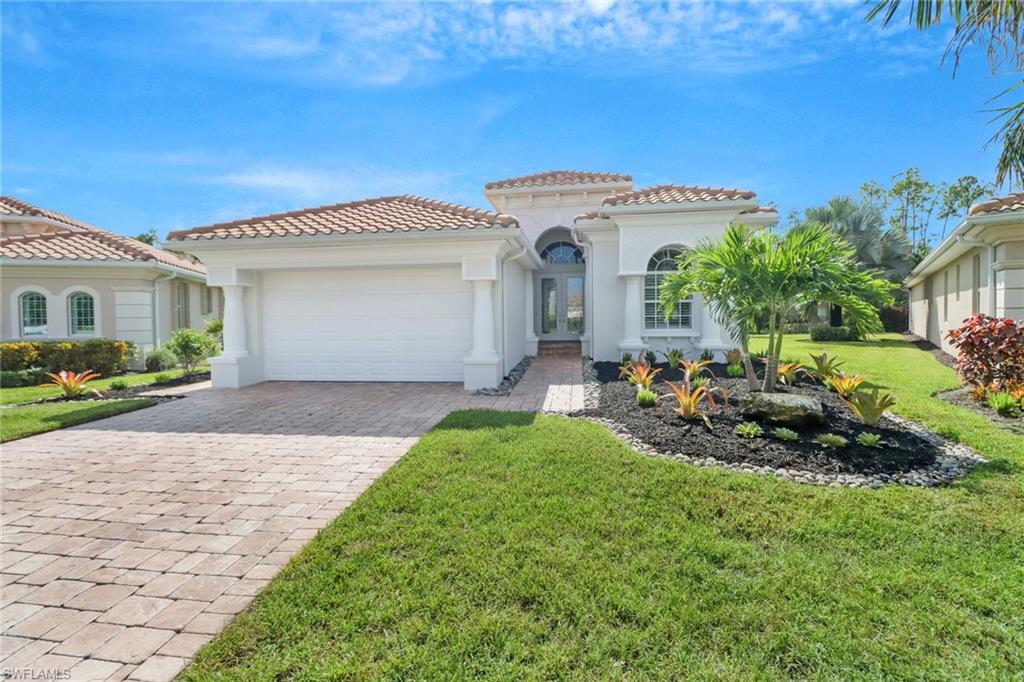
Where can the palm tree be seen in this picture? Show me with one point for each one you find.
(863, 227)
(749, 272)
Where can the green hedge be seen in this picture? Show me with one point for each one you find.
(823, 332)
(18, 378)
(106, 356)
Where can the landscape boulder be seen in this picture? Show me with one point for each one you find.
(785, 409)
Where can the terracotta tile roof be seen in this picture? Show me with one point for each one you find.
(80, 242)
(385, 214)
(670, 194)
(1010, 202)
(760, 209)
(558, 177)
(589, 215)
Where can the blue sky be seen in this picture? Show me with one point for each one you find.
(170, 115)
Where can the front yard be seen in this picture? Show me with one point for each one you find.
(510, 545)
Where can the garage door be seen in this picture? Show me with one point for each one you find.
(408, 324)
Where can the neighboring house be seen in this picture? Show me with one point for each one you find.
(979, 268)
(403, 288)
(63, 279)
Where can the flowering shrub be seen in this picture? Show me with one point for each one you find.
(990, 351)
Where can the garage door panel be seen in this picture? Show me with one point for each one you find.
(367, 325)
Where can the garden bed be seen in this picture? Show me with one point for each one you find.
(910, 454)
(962, 397)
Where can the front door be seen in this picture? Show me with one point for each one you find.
(559, 306)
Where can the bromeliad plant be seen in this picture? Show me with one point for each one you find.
(690, 401)
(674, 356)
(869, 406)
(825, 367)
(734, 356)
(639, 373)
(645, 397)
(73, 384)
(845, 384)
(789, 371)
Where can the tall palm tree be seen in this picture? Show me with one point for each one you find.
(747, 272)
(863, 227)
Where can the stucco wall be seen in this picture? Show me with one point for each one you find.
(950, 295)
(513, 289)
(1010, 279)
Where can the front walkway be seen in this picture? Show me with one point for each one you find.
(130, 542)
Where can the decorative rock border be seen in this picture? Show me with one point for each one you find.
(955, 460)
(504, 389)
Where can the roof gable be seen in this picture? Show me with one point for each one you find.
(556, 178)
(674, 194)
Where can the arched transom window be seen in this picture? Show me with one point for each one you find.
(81, 314)
(562, 253)
(32, 306)
(662, 262)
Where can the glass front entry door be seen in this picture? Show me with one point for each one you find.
(560, 306)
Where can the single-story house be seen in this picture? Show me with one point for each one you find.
(64, 279)
(402, 288)
(979, 268)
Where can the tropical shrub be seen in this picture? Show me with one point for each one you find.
(869, 406)
(73, 384)
(825, 333)
(734, 356)
(1003, 402)
(734, 371)
(118, 385)
(748, 430)
(215, 330)
(17, 378)
(825, 367)
(639, 373)
(845, 384)
(831, 441)
(708, 355)
(673, 356)
(161, 379)
(788, 372)
(645, 397)
(990, 350)
(160, 360)
(651, 357)
(869, 440)
(191, 348)
(18, 355)
(782, 433)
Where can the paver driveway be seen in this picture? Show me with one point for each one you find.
(129, 542)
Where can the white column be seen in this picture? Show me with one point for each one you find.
(234, 321)
(483, 319)
(531, 334)
(632, 314)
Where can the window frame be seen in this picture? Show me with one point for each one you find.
(578, 257)
(21, 314)
(71, 313)
(182, 313)
(685, 307)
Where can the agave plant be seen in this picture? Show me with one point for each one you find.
(825, 367)
(674, 356)
(869, 406)
(73, 384)
(845, 384)
(690, 401)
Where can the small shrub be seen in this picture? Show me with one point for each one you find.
(160, 360)
(215, 330)
(17, 378)
(748, 430)
(73, 384)
(1003, 402)
(161, 379)
(782, 433)
(735, 371)
(990, 350)
(831, 441)
(674, 356)
(869, 440)
(825, 367)
(845, 384)
(645, 397)
(734, 356)
(191, 348)
(118, 385)
(627, 358)
(18, 355)
(869, 406)
(707, 355)
(823, 332)
(106, 356)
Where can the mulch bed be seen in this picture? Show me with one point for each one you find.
(962, 398)
(662, 429)
(134, 391)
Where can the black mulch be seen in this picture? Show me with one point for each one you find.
(661, 428)
(962, 397)
(133, 391)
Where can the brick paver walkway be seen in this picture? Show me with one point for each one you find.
(128, 543)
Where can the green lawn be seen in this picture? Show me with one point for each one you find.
(28, 420)
(9, 396)
(511, 546)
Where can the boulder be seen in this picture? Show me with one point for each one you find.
(785, 409)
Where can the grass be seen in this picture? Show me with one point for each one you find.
(28, 420)
(9, 396)
(509, 546)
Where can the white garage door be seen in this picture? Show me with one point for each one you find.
(399, 324)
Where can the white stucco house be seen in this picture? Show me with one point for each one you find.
(403, 288)
(979, 268)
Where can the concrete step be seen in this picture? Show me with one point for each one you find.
(564, 349)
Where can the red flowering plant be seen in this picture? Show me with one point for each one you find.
(991, 351)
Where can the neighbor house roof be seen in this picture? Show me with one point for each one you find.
(558, 178)
(403, 213)
(1003, 204)
(79, 242)
(673, 194)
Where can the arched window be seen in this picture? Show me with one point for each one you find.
(562, 253)
(81, 314)
(662, 262)
(32, 305)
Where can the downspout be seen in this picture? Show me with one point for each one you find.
(156, 307)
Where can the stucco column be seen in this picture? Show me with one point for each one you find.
(234, 322)
(531, 334)
(483, 319)
(632, 314)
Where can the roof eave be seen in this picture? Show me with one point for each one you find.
(67, 262)
(939, 255)
(228, 242)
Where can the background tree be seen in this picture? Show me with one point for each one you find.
(150, 237)
(998, 27)
(958, 197)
